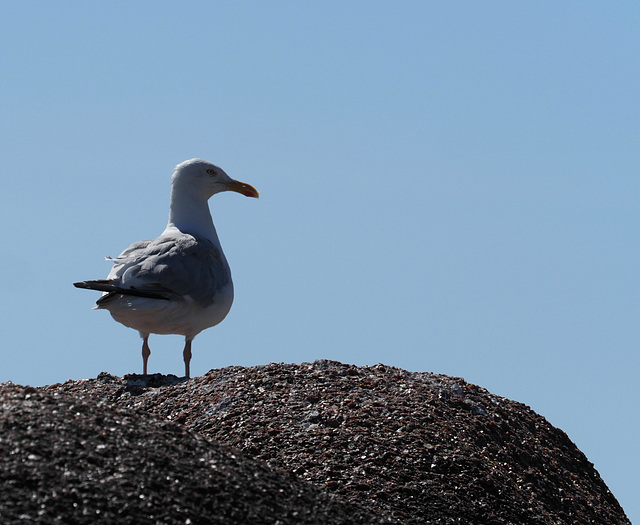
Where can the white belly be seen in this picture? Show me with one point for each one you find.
(157, 316)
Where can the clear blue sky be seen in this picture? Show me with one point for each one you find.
(445, 186)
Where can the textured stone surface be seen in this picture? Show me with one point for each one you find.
(71, 459)
(404, 447)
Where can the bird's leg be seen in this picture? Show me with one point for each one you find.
(187, 357)
(146, 352)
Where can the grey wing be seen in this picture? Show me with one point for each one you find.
(181, 268)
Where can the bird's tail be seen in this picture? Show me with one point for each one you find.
(111, 288)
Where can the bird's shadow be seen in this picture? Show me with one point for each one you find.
(136, 384)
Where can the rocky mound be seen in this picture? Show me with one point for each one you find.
(408, 447)
(69, 459)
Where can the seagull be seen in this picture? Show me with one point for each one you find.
(179, 283)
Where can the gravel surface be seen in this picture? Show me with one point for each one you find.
(68, 459)
(328, 440)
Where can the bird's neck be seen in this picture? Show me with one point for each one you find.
(190, 213)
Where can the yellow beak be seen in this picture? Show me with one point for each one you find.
(241, 187)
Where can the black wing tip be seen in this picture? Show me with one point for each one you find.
(105, 285)
(93, 285)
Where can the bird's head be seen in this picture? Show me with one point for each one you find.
(207, 179)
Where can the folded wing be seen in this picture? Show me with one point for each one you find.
(175, 267)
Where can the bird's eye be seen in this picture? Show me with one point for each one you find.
(211, 172)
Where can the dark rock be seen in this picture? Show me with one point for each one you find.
(68, 458)
(407, 447)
